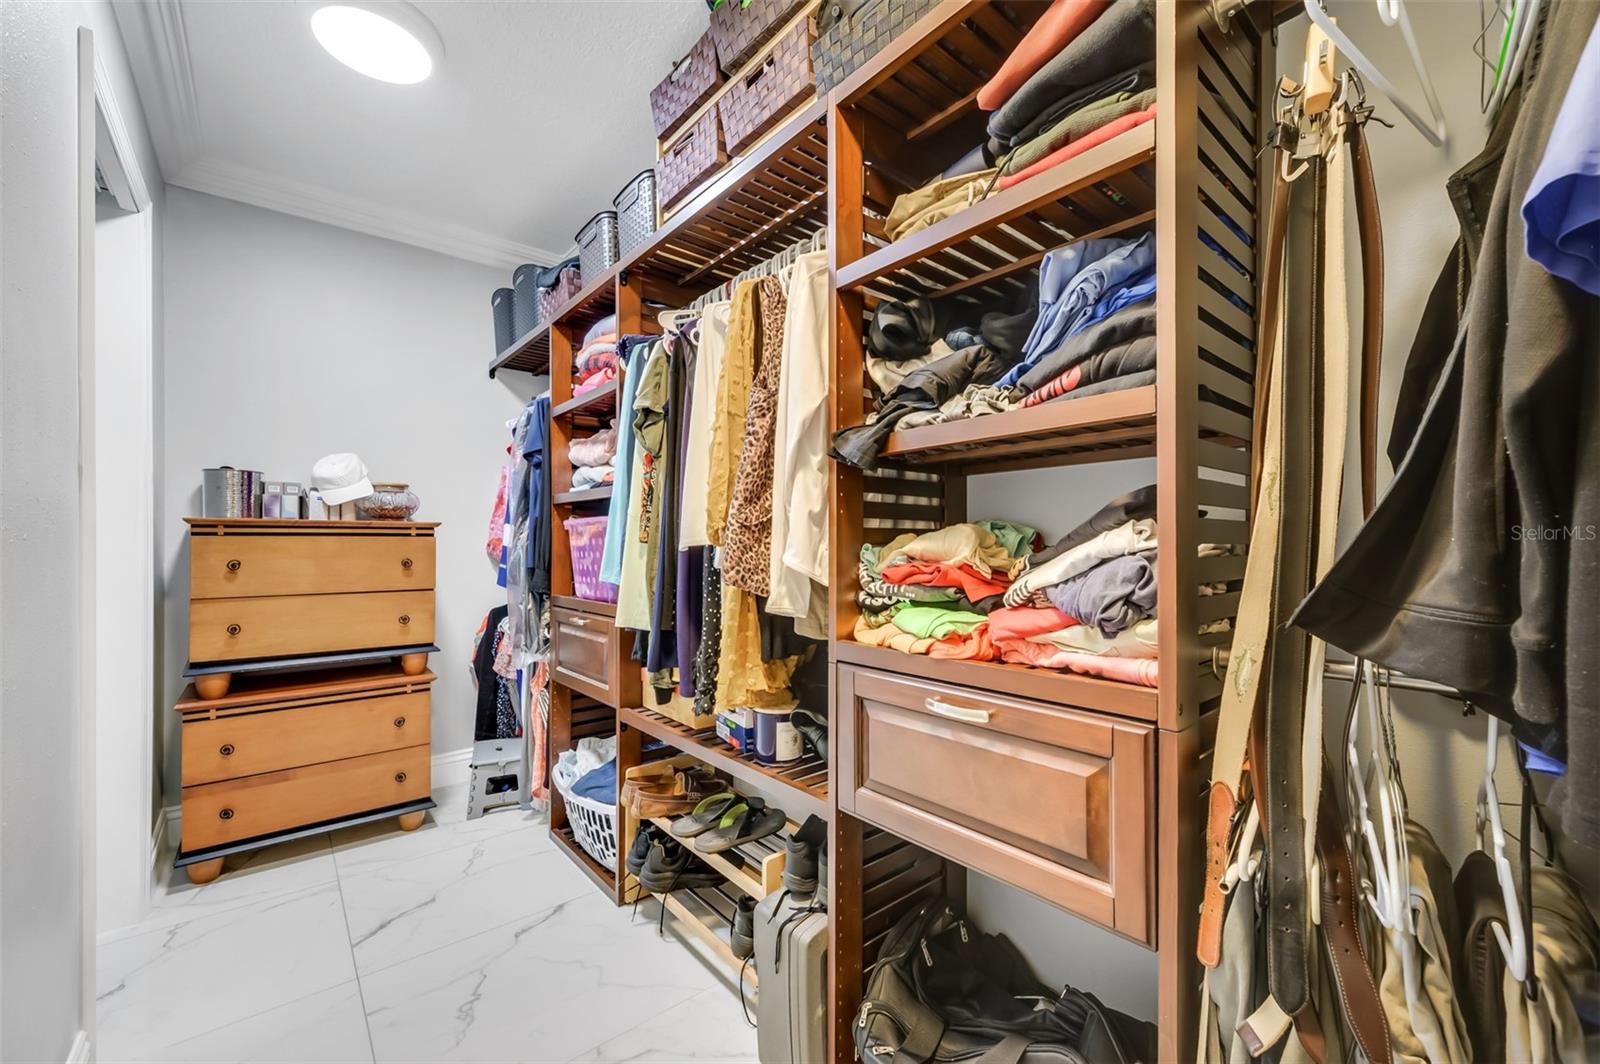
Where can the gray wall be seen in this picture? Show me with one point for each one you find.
(287, 340)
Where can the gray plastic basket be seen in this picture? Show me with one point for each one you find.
(597, 245)
(525, 299)
(504, 332)
(636, 211)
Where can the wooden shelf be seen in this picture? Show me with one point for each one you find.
(586, 495)
(1096, 428)
(758, 871)
(772, 197)
(1021, 681)
(528, 354)
(707, 914)
(603, 400)
(1109, 188)
(603, 877)
(803, 784)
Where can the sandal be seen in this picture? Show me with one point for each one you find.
(707, 815)
(755, 821)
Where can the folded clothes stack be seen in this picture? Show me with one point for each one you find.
(596, 362)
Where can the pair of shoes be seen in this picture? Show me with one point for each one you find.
(726, 821)
(813, 729)
(655, 796)
(802, 859)
(668, 866)
(742, 937)
(647, 836)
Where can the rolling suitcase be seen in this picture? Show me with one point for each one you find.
(792, 966)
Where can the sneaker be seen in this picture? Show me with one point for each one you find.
(669, 867)
(742, 937)
(813, 729)
(648, 834)
(802, 861)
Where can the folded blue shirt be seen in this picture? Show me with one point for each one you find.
(1562, 208)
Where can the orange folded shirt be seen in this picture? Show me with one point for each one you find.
(1089, 140)
(1023, 622)
(1054, 31)
(974, 646)
(938, 574)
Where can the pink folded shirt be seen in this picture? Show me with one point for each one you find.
(1141, 671)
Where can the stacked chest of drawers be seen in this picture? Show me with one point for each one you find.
(308, 644)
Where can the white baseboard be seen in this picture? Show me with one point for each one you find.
(79, 1053)
(449, 769)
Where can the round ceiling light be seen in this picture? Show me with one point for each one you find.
(390, 41)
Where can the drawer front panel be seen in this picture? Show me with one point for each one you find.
(583, 652)
(246, 628)
(255, 566)
(1052, 799)
(218, 813)
(249, 743)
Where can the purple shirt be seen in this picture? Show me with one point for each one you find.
(1562, 208)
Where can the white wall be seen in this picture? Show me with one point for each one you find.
(287, 340)
(46, 979)
(1440, 751)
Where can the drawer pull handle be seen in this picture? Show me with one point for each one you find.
(225, 814)
(226, 750)
(405, 563)
(578, 622)
(234, 564)
(234, 630)
(399, 777)
(399, 722)
(405, 618)
(961, 713)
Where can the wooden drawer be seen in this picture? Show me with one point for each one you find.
(267, 740)
(587, 654)
(242, 566)
(1054, 800)
(218, 813)
(243, 629)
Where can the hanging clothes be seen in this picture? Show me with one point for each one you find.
(713, 346)
(622, 483)
(496, 716)
(747, 536)
(731, 408)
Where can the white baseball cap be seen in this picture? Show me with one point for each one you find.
(341, 478)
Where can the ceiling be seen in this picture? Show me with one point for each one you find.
(537, 114)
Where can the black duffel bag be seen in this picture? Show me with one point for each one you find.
(943, 991)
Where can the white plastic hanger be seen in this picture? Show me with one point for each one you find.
(1524, 26)
(1434, 130)
(1512, 942)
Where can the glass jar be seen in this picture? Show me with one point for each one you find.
(388, 502)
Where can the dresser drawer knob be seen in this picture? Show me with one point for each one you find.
(405, 563)
(226, 814)
(399, 722)
(234, 629)
(399, 777)
(405, 618)
(226, 750)
(234, 565)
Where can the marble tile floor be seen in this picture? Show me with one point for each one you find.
(461, 941)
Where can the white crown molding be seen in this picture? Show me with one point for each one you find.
(158, 49)
(247, 185)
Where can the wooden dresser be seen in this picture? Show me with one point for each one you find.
(309, 707)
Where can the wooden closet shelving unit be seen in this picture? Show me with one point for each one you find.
(1085, 792)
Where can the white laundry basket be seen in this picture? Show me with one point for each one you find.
(594, 824)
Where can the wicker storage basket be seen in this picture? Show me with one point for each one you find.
(597, 244)
(693, 80)
(758, 100)
(568, 284)
(849, 32)
(696, 156)
(525, 303)
(741, 27)
(636, 212)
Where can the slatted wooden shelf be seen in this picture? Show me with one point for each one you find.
(804, 783)
(1108, 189)
(1096, 428)
(585, 495)
(602, 401)
(529, 353)
(771, 198)
(707, 914)
(1022, 681)
(602, 876)
(755, 868)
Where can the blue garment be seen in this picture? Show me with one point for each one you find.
(536, 451)
(1135, 290)
(617, 514)
(1562, 208)
(598, 784)
(1057, 273)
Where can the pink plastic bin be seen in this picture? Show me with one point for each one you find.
(587, 538)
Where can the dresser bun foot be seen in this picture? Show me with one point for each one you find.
(213, 685)
(411, 821)
(202, 872)
(413, 664)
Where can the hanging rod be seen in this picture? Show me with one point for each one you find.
(1346, 671)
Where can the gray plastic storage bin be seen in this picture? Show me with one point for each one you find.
(597, 245)
(636, 212)
(525, 299)
(504, 332)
